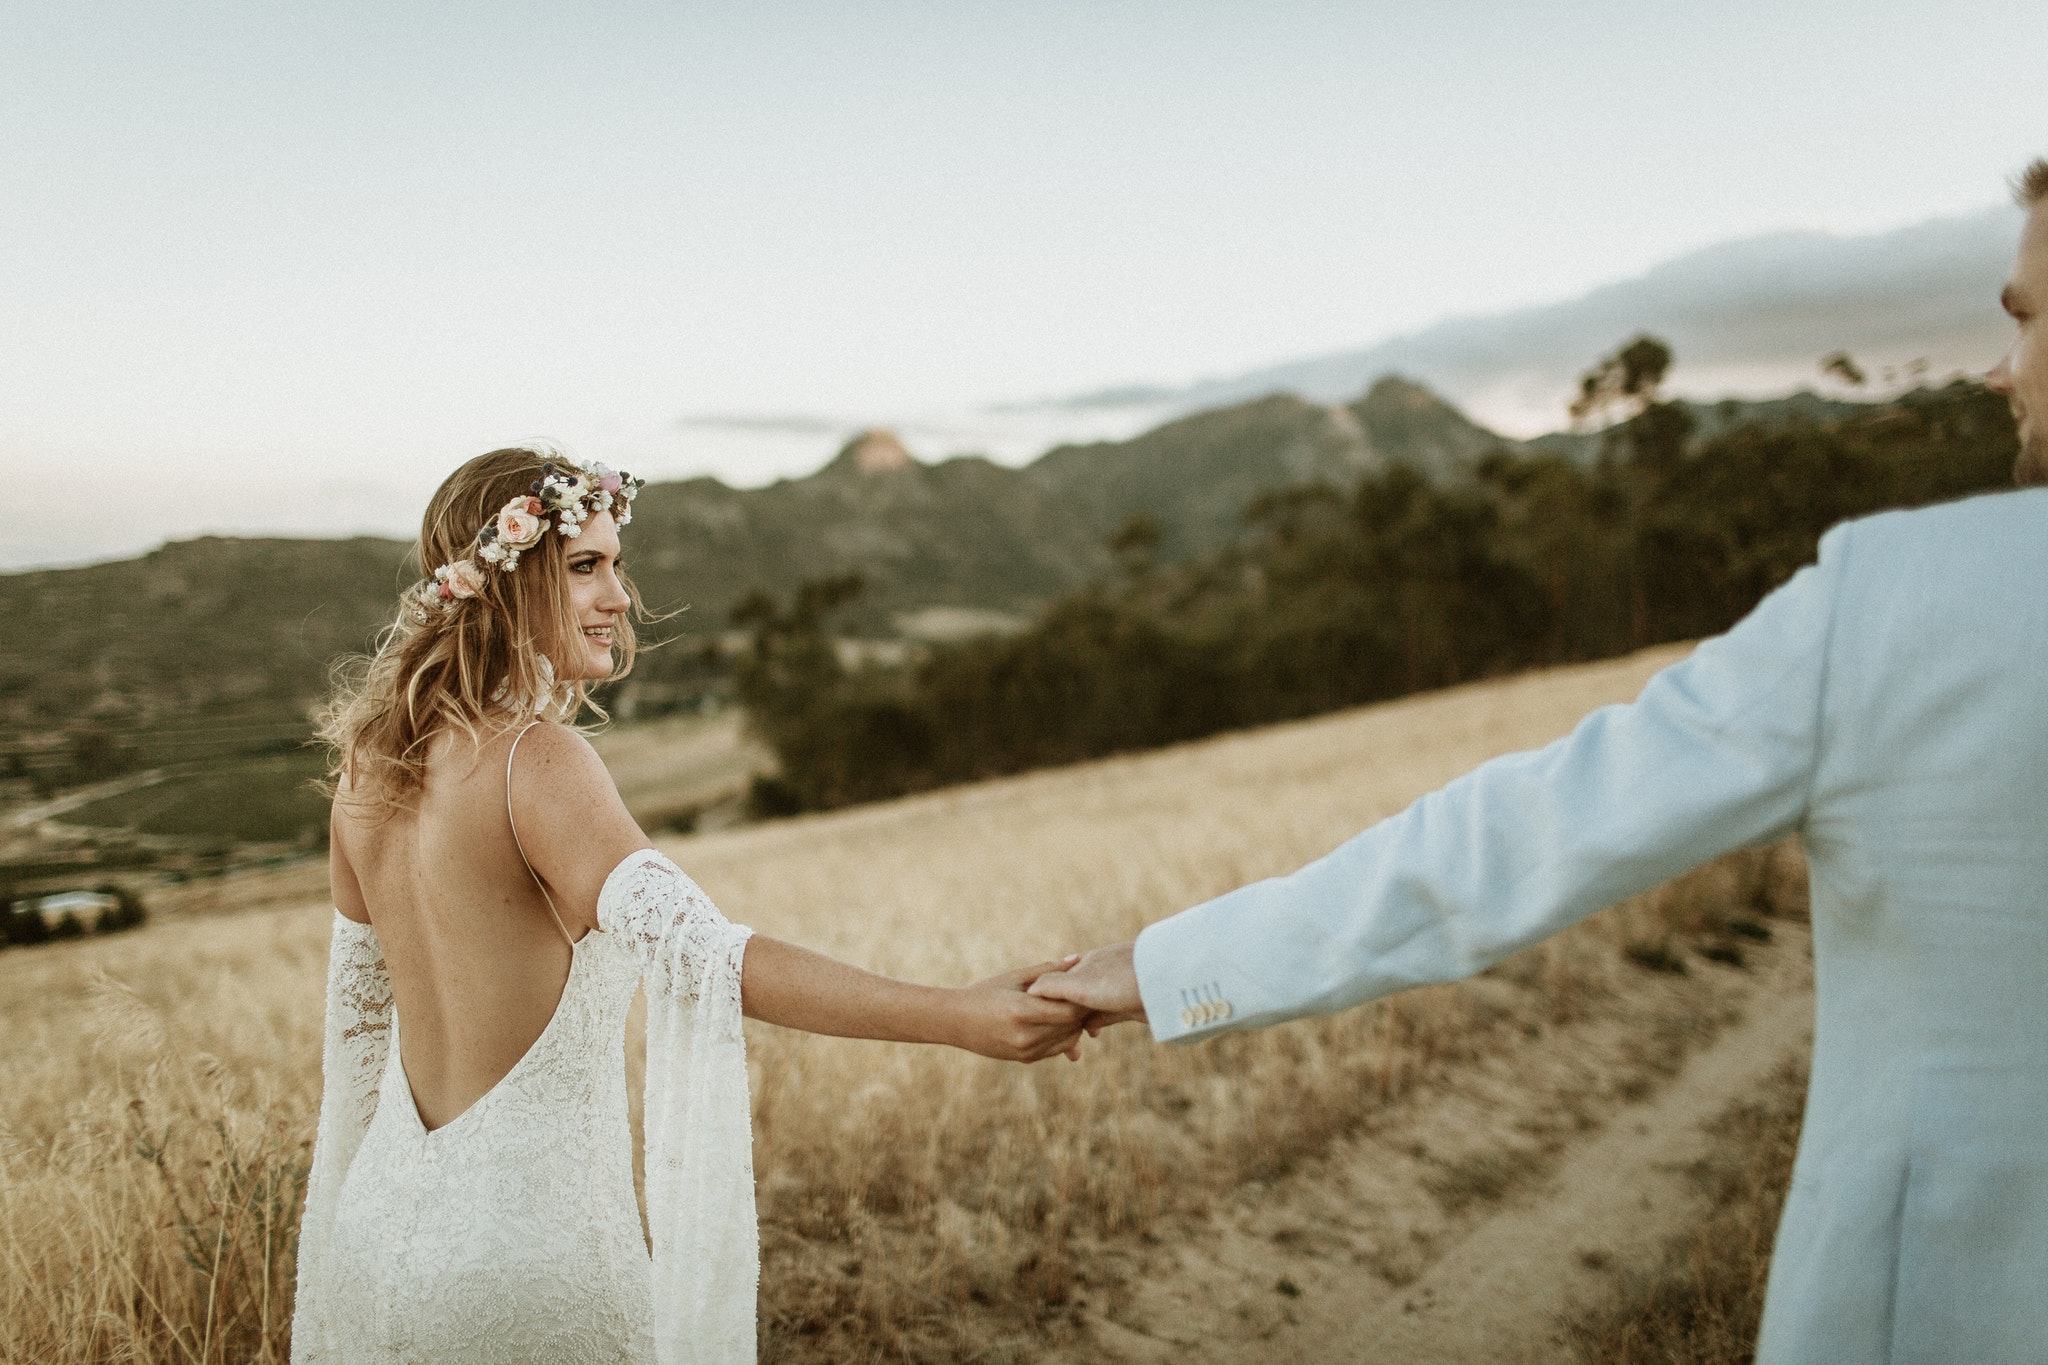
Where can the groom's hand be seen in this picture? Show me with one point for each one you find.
(1104, 982)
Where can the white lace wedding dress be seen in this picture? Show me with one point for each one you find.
(511, 1233)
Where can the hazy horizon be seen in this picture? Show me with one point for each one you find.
(278, 270)
(1015, 431)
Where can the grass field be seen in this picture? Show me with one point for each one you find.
(672, 770)
(269, 799)
(669, 771)
(157, 1091)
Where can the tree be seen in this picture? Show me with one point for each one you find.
(1135, 545)
(792, 662)
(838, 739)
(22, 924)
(1629, 379)
(128, 911)
(97, 752)
(1838, 365)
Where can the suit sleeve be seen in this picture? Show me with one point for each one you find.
(1716, 753)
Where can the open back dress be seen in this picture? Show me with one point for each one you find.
(511, 1233)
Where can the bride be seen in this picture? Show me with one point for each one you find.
(471, 1194)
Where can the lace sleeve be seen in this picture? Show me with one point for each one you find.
(700, 1160)
(358, 1036)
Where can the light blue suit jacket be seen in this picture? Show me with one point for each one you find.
(1889, 705)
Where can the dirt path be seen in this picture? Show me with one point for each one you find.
(1463, 1229)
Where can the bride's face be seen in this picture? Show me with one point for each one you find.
(596, 597)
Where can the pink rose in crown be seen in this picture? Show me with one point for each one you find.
(465, 579)
(610, 482)
(519, 523)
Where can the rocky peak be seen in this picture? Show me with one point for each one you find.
(1406, 421)
(873, 452)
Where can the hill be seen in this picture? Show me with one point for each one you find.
(198, 647)
(221, 645)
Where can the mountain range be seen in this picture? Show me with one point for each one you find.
(221, 644)
(1751, 316)
(967, 532)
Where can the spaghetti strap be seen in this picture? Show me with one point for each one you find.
(522, 847)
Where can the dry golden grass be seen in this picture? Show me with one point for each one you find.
(157, 1091)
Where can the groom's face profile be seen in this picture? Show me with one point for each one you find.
(2022, 376)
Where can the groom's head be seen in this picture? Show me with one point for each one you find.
(2023, 375)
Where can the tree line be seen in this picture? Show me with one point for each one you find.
(22, 924)
(1335, 597)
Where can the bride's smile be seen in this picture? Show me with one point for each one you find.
(597, 594)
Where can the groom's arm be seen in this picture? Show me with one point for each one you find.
(1717, 753)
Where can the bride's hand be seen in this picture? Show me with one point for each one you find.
(999, 1018)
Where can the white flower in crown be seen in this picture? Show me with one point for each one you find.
(461, 579)
(623, 494)
(558, 489)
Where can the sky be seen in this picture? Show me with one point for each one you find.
(280, 268)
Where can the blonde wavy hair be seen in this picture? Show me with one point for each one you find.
(481, 667)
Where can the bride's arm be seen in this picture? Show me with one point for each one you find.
(797, 988)
(577, 830)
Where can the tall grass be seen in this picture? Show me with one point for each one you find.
(157, 1092)
(153, 1141)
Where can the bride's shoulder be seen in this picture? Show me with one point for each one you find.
(574, 827)
(558, 780)
(554, 761)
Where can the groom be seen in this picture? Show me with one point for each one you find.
(1890, 706)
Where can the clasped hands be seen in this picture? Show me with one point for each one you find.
(1031, 1013)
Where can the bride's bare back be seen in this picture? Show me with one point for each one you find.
(476, 958)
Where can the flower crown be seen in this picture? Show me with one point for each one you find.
(567, 491)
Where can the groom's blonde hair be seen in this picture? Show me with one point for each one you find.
(2030, 186)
